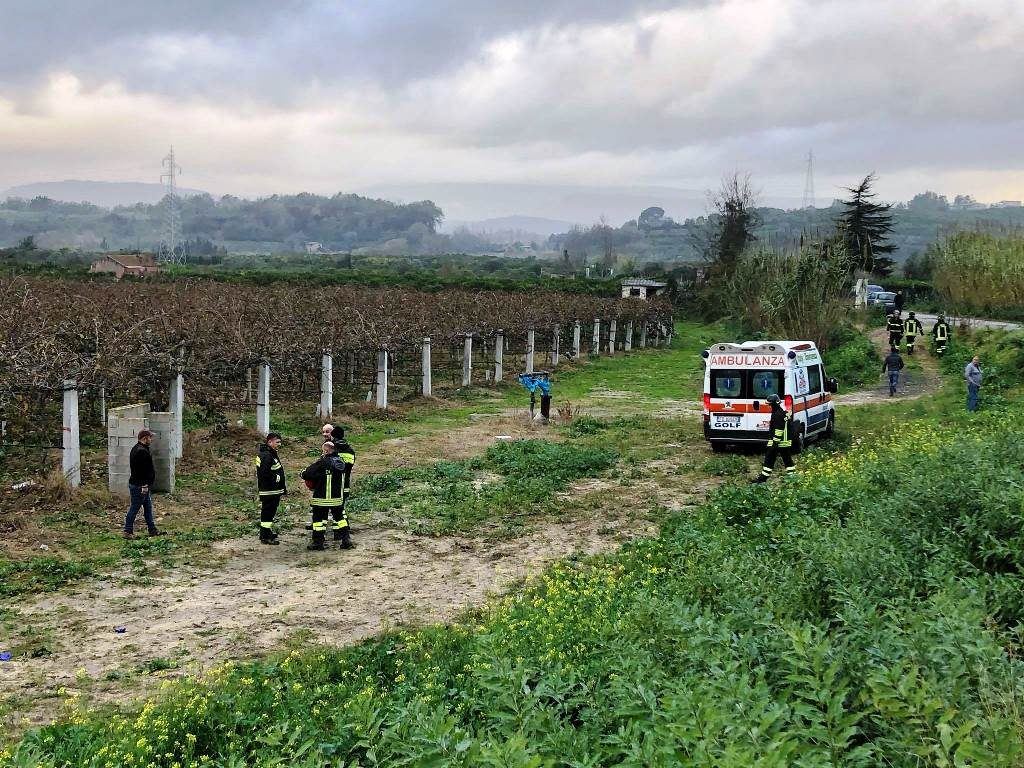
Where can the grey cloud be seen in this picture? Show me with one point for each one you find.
(271, 47)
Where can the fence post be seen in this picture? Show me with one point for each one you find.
(326, 408)
(595, 347)
(176, 404)
(612, 330)
(628, 345)
(643, 335)
(103, 405)
(467, 361)
(382, 379)
(263, 400)
(530, 337)
(248, 385)
(71, 463)
(428, 384)
(576, 330)
(555, 342)
(499, 356)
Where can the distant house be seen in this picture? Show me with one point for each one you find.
(642, 287)
(314, 247)
(121, 264)
(1007, 204)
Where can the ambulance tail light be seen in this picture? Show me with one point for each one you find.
(789, 403)
(707, 403)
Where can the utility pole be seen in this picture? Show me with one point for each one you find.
(809, 182)
(171, 251)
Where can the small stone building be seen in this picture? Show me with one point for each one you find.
(121, 264)
(123, 427)
(642, 287)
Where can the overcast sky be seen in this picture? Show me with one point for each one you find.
(263, 96)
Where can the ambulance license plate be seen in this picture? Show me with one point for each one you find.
(728, 422)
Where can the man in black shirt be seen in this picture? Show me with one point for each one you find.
(892, 365)
(140, 482)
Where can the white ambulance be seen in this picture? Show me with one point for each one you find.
(739, 377)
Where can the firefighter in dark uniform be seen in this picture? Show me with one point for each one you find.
(326, 475)
(780, 441)
(912, 329)
(895, 327)
(940, 332)
(347, 454)
(271, 484)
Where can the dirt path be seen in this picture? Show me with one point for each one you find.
(251, 598)
(914, 384)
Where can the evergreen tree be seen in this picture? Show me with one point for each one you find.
(865, 226)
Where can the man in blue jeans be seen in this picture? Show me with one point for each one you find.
(892, 365)
(972, 375)
(140, 483)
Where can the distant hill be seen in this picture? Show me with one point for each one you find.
(464, 201)
(510, 228)
(106, 194)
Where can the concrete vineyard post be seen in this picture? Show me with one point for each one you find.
(643, 335)
(628, 344)
(467, 361)
(351, 367)
(530, 336)
(326, 408)
(103, 405)
(499, 356)
(176, 404)
(428, 385)
(576, 333)
(595, 347)
(382, 379)
(555, 341)
(263, 400)
(71, 464)
(612, 330)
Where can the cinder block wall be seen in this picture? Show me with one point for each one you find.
(123, 427)
(163, 426)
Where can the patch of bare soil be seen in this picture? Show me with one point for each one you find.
(259, 596)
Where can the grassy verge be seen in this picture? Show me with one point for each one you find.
(851, 616)
(853, 360)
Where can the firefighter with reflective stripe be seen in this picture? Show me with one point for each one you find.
(895, 328)
(327, 477)
(345, 452)
(912, 328)
(271, 484)
(940, 333)
(779, 443)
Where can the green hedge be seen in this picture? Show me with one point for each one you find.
(851, 616)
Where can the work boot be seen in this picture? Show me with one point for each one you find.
(127, 535)
(155, 532)
(267, 536)
(346, 538)
(759, 479)
(317, 545)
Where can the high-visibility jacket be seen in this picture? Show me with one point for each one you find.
(912, 327)
(894, 325)
(269, 472)
(346, 453)
(779, 428)
(940, 331)
(328, 477)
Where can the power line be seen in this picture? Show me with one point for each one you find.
(809, 201)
